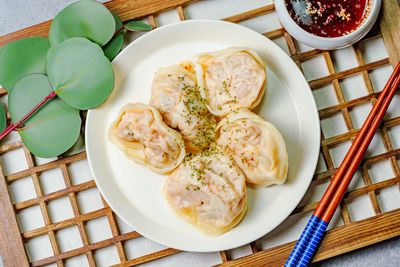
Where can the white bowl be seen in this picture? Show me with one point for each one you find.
(324, 42)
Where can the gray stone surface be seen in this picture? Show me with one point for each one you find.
(18, 14)
(384, 254)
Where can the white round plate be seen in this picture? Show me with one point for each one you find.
(134, 192)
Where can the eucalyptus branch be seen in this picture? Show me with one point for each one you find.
(141, 27)
(13, 127)
(117, 31)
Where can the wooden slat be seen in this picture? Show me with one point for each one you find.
(149, 257)
(390, 28)
(253, 247)
(75, 207)
(317, 83)
(337, 241)
(55, 195)
(11, 146)
(251, 14)
(85, 249)
(125, 9)
(275, 33)
(224, 256)
(329, 111)
(11, 245)
(371, 160)
(308, 54)
(115, 232)
(181, 13)
(66, 223)
(359, 192)
(128, 10)
(43, 206)
(368, 85)
(41, 29)
(46, 166)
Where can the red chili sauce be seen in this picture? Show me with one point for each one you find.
(328, 18)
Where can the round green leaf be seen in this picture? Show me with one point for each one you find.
(53, 128)
(112, 48)
(3, 118)
(137, 26)
(80, 73)
(86, 18)
(22, 57)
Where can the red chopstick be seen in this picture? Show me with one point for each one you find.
(329, 211)
(352, 151)
(312, 234)
(360, 153)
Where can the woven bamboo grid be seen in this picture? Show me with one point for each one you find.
(350, 236)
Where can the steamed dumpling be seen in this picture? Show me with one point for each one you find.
(144, 138)
(231, 78)
(208, 190)
(174, 92)
(256, 146)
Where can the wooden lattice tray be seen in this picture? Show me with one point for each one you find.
(52, 213)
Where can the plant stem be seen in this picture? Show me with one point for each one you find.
(115, 34)
(12, 126)
(117, 31)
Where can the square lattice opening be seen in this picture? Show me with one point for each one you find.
(79, 172)
(360, 208)
(343, 59)
(41, 161)
(106, 256)
(376, 146)
(60, 209)
(89, 200)
(262, 24)
(141, 246)
(239, 252)
(167, 17)
(381, 171)
(39, 248)
(338, 152)
(373, 50)
(379, 77)
(22, 189)
(393, 111)
(13, 161)
(356, 182)
(98, 229)
(321, 165)
(310, 69)
(25, 221)
(78, 261)
(333, 125)
(389, 198)
(325, 96)
(69, 238)
(51, 181)
(394, 135)
(353, 87)
(359, 113)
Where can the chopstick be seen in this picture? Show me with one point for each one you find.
(312, 234)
